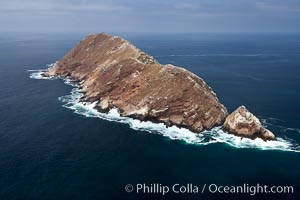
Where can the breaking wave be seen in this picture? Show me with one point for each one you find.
(37, 73)
(216, 135)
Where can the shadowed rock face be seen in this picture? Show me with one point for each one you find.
(243, 123)
(115, 73)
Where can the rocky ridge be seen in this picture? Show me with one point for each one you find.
(116, 74)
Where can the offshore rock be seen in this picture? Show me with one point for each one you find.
(244, 124)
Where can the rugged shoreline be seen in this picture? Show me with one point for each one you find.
(85, 98)
(110, 70)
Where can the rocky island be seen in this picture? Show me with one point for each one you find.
(116, 74)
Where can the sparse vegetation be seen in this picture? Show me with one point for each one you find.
(144, 58)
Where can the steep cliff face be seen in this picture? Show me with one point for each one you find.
(115, 73)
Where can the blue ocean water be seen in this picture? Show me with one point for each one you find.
(49, 152)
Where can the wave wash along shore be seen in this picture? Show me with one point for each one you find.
(216, 135)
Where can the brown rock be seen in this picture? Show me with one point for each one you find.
(244, 124)
(266, 134)
(112, 71)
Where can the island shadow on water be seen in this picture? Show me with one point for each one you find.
(216, 135)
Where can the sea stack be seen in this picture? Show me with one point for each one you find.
(116, 74)
(244, 124)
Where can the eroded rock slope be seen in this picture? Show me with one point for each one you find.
(115, 73)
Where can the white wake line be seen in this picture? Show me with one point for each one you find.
(216, 135)
(267, 122)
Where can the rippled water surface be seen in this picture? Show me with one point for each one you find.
(54, 147)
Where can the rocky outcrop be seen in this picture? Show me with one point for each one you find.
(115, 73)
(244, 124)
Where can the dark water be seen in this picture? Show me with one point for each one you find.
(49, 152)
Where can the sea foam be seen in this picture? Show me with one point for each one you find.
(216, 135)
(37, 73)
